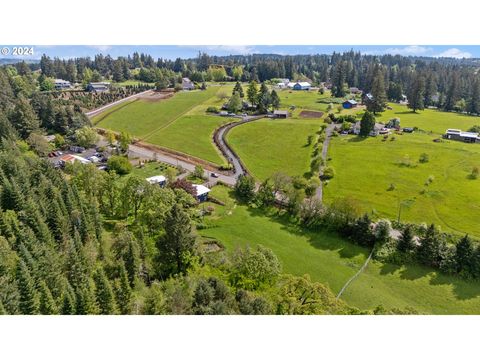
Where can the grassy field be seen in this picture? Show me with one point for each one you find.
(331, 260)
(303, 99)
(366, 168)
(178, 123)
(267, 146)
(192, 134)
(429, 120)
(143, 117)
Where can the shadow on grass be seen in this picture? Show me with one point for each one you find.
(321, 239)
(357, 139)
(462, 289)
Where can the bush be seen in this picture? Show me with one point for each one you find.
(120, 164)
(212, 109)
(423, 158)
(475, 172)
(328, 173)
(226, 166)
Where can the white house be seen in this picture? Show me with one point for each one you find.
(157, 179)
(62, 84)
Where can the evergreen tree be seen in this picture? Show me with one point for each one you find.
(263, 101)
(123, 291)
(47, 303)
(367, 124)
(452, 93)
(104, 293)
(430, 90)
(428, 251)
(252, 92)
(464, 256)
(24, 118)
(406, 242)
(338, 80)
(416, 94)
(275, 100)
(29, 300)
(379, 96)
(473, 105)
(238, 89)
(176, 246)
(68, 301)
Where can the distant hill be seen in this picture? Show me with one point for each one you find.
(7, 61)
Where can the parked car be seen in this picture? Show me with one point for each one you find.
(215, 175)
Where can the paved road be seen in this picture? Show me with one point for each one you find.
(92, 113)
(160, 156)
(328, 135)
(226, 150)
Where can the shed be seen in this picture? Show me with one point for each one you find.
(187, 84)
(349, 104)
(280, 114)
(157, 179)
(202, 192)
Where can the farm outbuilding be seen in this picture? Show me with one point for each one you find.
(202, 192)
(157, 179)
(301, 85)
(187, 84)
(62, 84)
(349, 104)
(98, 87)
(465, 136)
(280, 114)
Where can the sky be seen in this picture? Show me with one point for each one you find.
(189, 51)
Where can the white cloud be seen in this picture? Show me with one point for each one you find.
(230, 49)
(455, 53)
(101, 47)
(412, 50)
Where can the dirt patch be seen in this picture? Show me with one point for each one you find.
(157, 95)
(308, 114)
(211, 246)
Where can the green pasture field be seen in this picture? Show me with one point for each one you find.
(267, 146)
(387, 176)
(179, 123)
(331, 260)
(433, 120)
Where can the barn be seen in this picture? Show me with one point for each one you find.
(302, 85)
(349, 104)
(465, 136)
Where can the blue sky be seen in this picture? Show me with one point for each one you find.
(188, 51)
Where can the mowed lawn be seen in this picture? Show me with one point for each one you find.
(143, 117)
(371, 171)
(192, 135)
(332, 261)
(267, 146)
(429, 120)
(302, 99)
